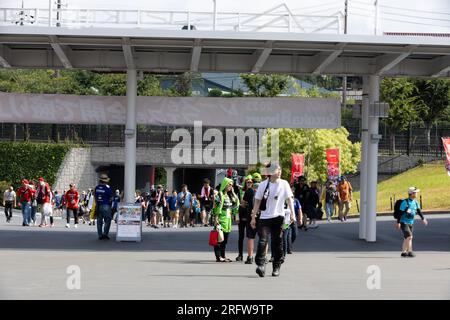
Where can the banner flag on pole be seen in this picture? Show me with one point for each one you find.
(446, 142)
(333, 170)
(298, 162)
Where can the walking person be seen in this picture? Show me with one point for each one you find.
(72, 198)
(245, 202)
(34, 204)
(409, 209)
(301, 192)
(224, 202)
(311, 205)
(25, 195)
(290, 228)
(57, 204)
(44, 200)
(115, 205)
(328, 197)
(272, 195)
(206, 202)
(103, 196)
(166, 215)
(184, 205)
(173, 209)
(158, 201)
(345, 192)
(196, 210)
(9, 202)
(90, 205)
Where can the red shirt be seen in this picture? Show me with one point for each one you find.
(25, 194)
(46, 193)
(72, 197)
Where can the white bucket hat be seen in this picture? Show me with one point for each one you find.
(412, 190)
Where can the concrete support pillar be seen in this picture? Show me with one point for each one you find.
(130, 138)
(372, 168)
(364, 157)
(169, 175)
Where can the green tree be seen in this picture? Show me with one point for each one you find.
(431, 98)
(266, 85)
(397, 92)
(313, 144)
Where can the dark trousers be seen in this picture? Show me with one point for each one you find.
(73, 212)
(270, 228)
(289, 236)
(8, 210)
(219, 250)
(241, 227)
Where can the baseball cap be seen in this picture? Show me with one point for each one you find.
(25, 181)
(412, 190)
(41, 179)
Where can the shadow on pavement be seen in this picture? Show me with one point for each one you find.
(334, 237)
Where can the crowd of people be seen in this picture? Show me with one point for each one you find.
(266, 206)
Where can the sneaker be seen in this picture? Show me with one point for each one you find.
(239, 258)
(261, 271)
(267, 261)
(101, 238)
(52, 225)
(411, 254)
(249, 260)
(271, 259)
(404, 254)
(276, 272)
(76, 226)
(105, 237)
(67, 226)
(289, 252)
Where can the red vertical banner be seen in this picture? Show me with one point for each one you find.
(298, 162)
(333, 171)
(446, 142)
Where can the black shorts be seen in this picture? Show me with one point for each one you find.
(407, 230)
(249, 231)
(206, 206)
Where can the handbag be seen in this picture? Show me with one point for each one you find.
(213, 237)
(220, 237)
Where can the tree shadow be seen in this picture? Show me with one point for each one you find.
(335, 237)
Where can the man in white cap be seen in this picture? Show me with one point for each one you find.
(409, 208)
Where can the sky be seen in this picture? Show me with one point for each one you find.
(395, 15)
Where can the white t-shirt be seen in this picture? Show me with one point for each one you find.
(9, 195)
(279, 192)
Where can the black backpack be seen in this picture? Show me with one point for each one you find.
(397, 212)
(41, 194)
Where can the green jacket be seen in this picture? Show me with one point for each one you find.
(224, 206)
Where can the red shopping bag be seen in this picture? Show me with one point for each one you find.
(213, 238)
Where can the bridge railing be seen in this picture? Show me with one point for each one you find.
(172, 20)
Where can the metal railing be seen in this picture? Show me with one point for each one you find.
(271, 20)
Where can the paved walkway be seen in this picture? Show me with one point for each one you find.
(329, 263)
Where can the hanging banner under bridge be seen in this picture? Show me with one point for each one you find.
(280, 112)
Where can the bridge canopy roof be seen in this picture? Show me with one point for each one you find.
(110, 49)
